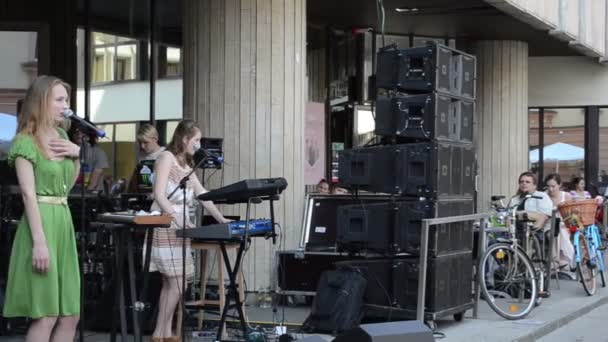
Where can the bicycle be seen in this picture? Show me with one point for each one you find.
(587, 252)
(508, 277)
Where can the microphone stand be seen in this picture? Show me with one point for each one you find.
(182, 185)
(83, 231)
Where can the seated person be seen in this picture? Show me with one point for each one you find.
(532, 209)
(323, 186)
(578, 191)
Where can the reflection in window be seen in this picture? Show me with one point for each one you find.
(563, 148)
(107, 145)
(174, 67)
(114, 58)
(126, 148)
(171, 126)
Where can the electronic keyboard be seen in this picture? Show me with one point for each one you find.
(228, 231)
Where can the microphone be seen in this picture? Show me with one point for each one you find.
(69, 114)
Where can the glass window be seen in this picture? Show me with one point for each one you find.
(107, 145)
(533, 141)
(174, 62)
(126, 149)
(171, 126)
(114, 58)
(563, 143)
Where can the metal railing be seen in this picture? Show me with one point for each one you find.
(424, 248)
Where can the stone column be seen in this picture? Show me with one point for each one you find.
(245, 81)
(501, 136)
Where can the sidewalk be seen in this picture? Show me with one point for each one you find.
(564, 305)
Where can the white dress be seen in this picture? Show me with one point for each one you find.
(566, 249)
(166, 255)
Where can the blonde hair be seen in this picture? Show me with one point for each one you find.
(147, 131)
(34, 116)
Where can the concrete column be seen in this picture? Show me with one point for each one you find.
(245, 81)
(501, 136)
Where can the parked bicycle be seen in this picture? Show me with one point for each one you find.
(511, 274)
(586, 238)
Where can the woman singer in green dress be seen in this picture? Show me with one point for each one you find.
(44, 279)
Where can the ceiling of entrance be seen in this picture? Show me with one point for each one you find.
(463, 19)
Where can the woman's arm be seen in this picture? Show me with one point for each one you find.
(208, 205)
(61, 148)
(25, 175)
(162, 166)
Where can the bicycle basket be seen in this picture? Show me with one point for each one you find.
(585, 209)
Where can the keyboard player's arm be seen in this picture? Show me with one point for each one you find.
(162, 166)
(208, 205)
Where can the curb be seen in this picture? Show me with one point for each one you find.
(551, 326)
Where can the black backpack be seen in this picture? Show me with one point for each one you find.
(338, 303)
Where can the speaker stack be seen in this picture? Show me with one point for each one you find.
(425, 105)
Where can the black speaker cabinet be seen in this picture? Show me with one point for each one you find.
(463, 75)
(299, 272)
(433, 169)
(430, 68)
(394, 227)
(320, 219)
(394, 282)
(404, 331)
(425, 116)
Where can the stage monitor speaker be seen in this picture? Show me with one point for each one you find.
(432, 169)
(393, 283)
(434, 67)
(394, 227)
(426, 116)
(404, 331)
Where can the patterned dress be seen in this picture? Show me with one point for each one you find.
(166, 254)
(56, 292)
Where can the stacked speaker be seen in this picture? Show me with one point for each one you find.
(424, 112)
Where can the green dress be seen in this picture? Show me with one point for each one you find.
(57, 292)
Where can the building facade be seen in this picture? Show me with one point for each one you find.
(245, 70)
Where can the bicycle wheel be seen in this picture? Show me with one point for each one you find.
(507, 281)
(586, 267)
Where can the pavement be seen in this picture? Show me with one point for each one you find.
(568, 315)
(587, 328)
(565, 305)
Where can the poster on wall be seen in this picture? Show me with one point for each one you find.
(314, 148)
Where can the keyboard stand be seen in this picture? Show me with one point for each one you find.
(124, 252)
(233, 298)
